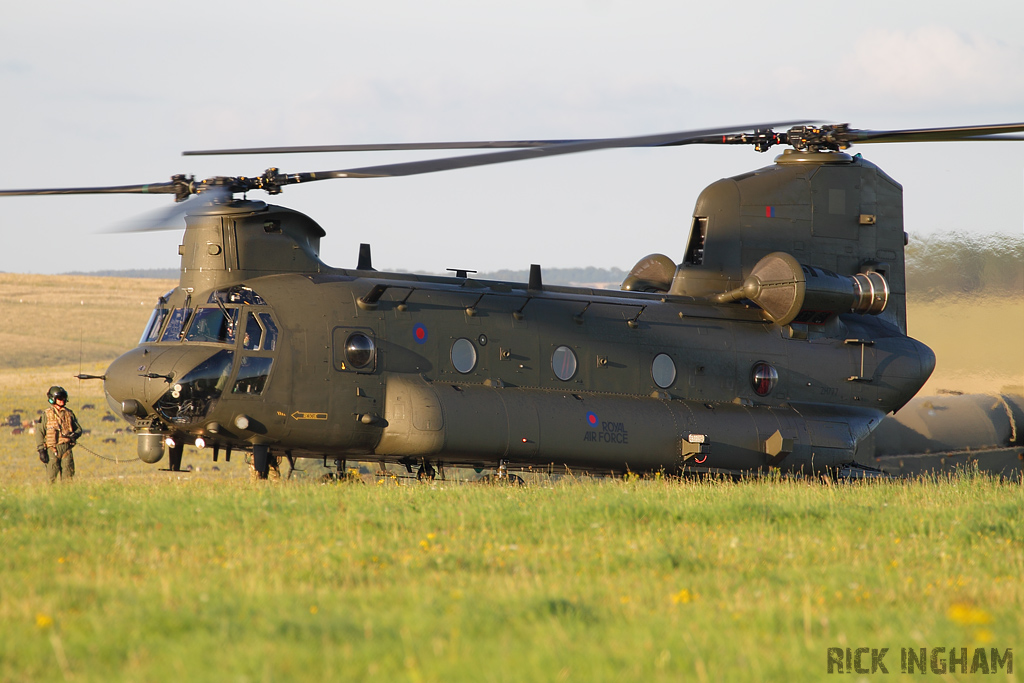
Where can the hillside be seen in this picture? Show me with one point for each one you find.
(66, 320)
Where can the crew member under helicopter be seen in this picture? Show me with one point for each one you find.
(56, 434)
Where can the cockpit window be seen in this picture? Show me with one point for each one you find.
(190, 398)
(253, 333)
(213, 324)
(270, 340)
(237, 295)
(252, 375)
(176, 323)
(260, 333)
(156, 321)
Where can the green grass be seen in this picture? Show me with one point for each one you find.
(587, 580)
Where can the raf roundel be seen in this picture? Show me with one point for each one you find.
(419, 333)
(592, 418)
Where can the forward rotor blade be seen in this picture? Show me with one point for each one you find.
(385, 147)
(172, 217)
(153, 188)
(936, 134)
(452, 163)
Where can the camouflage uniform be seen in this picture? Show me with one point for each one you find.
(56, 433)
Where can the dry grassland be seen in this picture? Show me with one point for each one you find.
(978, 343)
(54, 320)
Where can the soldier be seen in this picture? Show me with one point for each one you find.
(56, 434)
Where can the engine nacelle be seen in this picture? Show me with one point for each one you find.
(788, 291)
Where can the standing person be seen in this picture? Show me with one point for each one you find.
(56, 434)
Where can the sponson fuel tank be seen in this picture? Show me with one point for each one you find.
(467, 422)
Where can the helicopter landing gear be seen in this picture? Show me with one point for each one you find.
(854, 471)
(261, 460)
(426, 472)
(174, 457)
(501, 475)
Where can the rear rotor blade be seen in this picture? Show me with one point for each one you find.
(997, 138)
(936, 134)
(604, 143)
(452, 163)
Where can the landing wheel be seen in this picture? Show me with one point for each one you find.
(261, 460)
(502, 476)
(426, 472)
(507, 480)
(174, 457)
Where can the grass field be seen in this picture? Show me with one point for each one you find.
(135, 574)
(595, 580)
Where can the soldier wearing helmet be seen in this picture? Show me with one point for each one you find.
(56, 434)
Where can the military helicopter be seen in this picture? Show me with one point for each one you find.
(777, 340)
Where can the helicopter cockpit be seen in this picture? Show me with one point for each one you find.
(215, 322)
(184, 386)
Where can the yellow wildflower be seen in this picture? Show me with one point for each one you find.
(962, 613)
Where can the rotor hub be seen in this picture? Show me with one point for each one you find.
(793, 156)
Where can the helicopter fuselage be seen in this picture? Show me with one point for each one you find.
(475, 372)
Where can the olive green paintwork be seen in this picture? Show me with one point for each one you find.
(838, 373)
(939, 433)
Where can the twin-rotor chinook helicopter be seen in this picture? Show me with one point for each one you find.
(777, 340)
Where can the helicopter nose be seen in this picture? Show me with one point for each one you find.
(137, 379)
(123, 381)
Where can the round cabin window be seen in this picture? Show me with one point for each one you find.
(463, 355)
(563, 363)
(663, 370)
(359, 350)
(763, 378)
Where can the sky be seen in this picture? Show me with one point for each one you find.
(112, 92)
